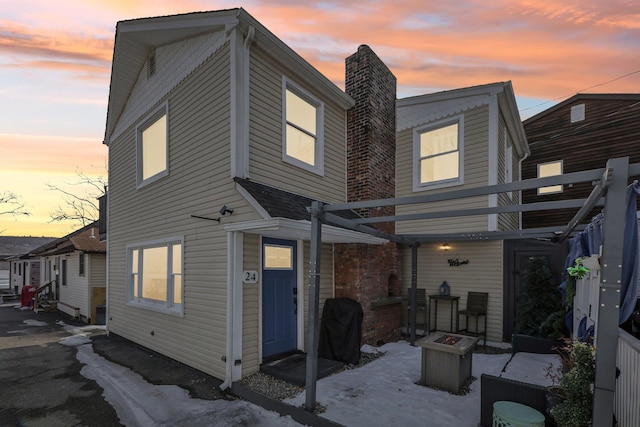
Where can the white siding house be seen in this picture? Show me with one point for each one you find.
(74, 266)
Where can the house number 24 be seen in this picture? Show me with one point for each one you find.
(249, 276)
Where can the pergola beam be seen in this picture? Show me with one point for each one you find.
(527, 184)
(594, 197)
(539, 206)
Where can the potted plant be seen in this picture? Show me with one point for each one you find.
(576, 385)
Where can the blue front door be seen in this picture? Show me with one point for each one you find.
(279, 296)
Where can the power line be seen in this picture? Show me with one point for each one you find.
(580, 91)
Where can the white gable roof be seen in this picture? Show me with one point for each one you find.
(417, 110)
(136, 38)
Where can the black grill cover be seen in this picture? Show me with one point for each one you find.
(341, 330)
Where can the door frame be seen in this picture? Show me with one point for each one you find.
(298, 265)
(557, 254)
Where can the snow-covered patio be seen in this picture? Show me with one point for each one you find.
(382, 392)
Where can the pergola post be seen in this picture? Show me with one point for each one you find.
(610, 285)
(313, 336)
(412, 293)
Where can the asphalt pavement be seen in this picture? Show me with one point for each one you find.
(40, 379)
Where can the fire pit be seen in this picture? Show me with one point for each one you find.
(446, 360)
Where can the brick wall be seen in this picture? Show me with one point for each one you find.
(370, 272)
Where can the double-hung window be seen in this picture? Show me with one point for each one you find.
(152, 147)
(550, 169)
(438, 154)
(155, 277)
(303, 143)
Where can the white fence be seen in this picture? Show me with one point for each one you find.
(627, 393)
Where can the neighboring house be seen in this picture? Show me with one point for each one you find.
(75, 268)
(219, 138)
(580, 133)
(22, 268)
(456, 140)
(577, 134)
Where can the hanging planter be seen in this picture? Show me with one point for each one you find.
(578, 270)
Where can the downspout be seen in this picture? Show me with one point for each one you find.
(228, 357)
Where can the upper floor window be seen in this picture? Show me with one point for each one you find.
(155, 275)
(303, 143)
(550, 169)
(438, 154)
(152, 146)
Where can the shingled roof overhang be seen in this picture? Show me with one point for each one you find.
(286, 215)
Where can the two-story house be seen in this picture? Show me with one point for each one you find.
(219, 138)
(456, 140)
(579, 133)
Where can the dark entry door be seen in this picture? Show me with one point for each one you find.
(279, 296)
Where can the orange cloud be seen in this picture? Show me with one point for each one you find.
(23, 47)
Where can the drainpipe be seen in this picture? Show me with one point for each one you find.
(228, 357)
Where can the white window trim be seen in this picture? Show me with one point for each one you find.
(419, 186)
(153, 305)
(318, 168)
(559, 185)
(162, 110)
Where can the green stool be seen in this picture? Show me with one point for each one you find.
(512, 414)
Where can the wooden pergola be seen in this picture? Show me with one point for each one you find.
(609, 190)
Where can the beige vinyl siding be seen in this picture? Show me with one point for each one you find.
(476, 164)
(251, 307)
(265, 136)
(482, 274)
(507, 221)
(198, 183)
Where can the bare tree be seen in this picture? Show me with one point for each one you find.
(11, 204)
(81, 207)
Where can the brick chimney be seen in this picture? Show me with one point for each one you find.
(368, 273)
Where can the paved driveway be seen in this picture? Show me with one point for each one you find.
(49, 365)
(40, 380)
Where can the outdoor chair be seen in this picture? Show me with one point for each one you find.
(476, 307)
(421, 306)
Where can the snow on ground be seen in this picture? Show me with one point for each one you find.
(384, 392)
(139, 403)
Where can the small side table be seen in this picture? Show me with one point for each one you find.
(453, 302)
(512, 414)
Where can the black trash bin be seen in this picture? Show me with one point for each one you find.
(101, 314)
(341, 330)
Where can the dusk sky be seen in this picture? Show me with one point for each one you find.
(55, 64)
